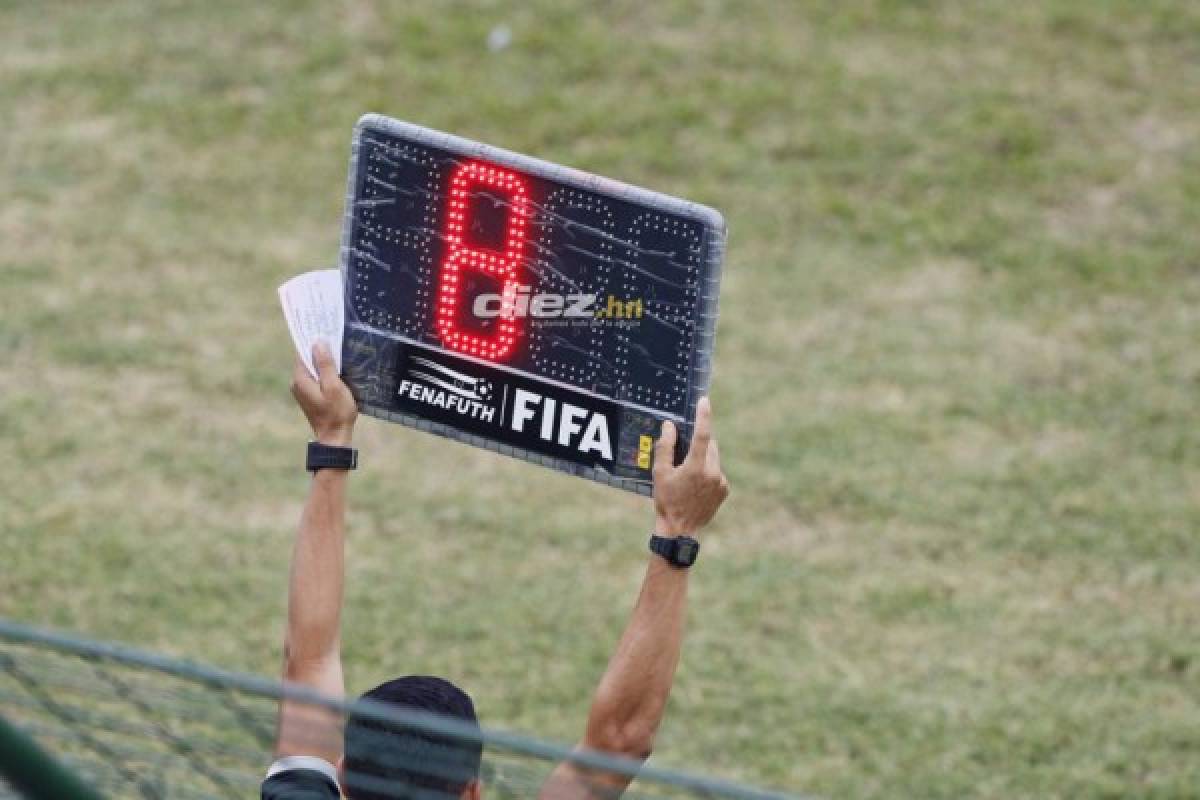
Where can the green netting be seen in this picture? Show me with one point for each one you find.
(138, 725)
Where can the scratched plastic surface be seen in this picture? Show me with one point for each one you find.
(629, 248)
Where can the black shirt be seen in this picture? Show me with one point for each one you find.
(294, 782)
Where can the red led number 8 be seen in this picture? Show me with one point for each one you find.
(463, 257)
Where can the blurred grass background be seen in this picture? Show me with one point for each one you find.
(957, 368)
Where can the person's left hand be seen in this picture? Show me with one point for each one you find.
(326, 401)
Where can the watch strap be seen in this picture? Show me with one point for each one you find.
(661, 546)
(327, 456)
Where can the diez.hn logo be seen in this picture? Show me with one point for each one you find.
(440, 386)
(545, 306)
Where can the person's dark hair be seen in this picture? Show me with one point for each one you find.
(386, 760)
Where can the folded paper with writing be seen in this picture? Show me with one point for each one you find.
(315, 311)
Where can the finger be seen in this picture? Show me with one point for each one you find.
(703, 433)
(712, 461)
(301, 377)
(323, 361)
(664, 449)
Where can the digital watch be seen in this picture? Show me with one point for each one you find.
(679, 551)
(327, 456)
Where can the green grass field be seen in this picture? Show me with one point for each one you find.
(957, 368)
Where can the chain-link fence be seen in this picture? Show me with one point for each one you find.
(138, 725)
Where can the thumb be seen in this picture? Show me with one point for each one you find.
(323, 360)
(664, 449)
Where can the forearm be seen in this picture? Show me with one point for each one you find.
(318, 563)
(632, 695)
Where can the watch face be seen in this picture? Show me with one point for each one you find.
(685, 551)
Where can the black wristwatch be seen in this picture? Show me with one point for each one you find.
(679, 551)
(327, 456)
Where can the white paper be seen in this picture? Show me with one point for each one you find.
(315, 311)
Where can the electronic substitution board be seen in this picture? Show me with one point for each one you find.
(522, 306)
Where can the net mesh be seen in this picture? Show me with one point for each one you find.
(138, 725)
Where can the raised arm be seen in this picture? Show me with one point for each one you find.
(629, 702)
(312, 647)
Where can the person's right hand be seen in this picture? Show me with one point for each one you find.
(326, 401)
(688, 496)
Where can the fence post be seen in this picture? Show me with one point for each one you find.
(34, 773)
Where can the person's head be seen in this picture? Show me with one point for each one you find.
(385, 760)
